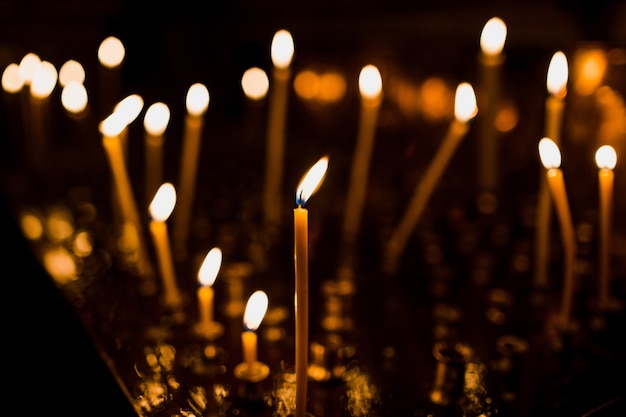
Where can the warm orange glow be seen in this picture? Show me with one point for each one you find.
(549, 153)
(11, 80)
(44, 80)
(157, 118)
(590, 67)
(282, 49)
(606, 158)
(74, 97)
(507, 118)
(311, 181)
(60, 264)
(557, 75)
(493, 36)
(255, 83)
(465, 103)
(163, 202)
(112, 125)
(332, 87)
(436, 96)
(129, 108)
(307, 84)
(31, 226)
(207, 274)
(71, 71)
(370, 82)
(255, 310)
(29, 63)
(111, 52)
(197, 100)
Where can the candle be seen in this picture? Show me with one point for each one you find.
(255, 85)
(75, 101)
(492, 40)
(282, 50)
(128, 108)
(155, 122)
(464, 109)
(12, 84)
(160, 208)
(551, 159)
(307, 186)
(556, 83)
(251, 369)
(111, 54)
(207, 274)
(43, 82)
(370, 87)
(197, 102)
(606, 160)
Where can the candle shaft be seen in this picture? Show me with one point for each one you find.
(154, 164)
(159, 232)
(301, 233)
(605, 177)
(205, 303)
(488, 100)
(249, 342)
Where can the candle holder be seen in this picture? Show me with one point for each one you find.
(209, 331)
(451, 363)
(330, 356)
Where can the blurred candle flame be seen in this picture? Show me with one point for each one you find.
(255, 310)
(557, 75)
(29, 63)
(311, 181)
(549, 153)
(197, 99)
(255, 83)
(113, 125)
(129, 108)
(282, 49)
(465, 103)
(493, 36)
(606, 158)
(370, 82)
(74, 97)
(111, 52)
(163, 202)
(157, 118)
(44, 80)
(207, 274)
(70, 71)
(12, 82)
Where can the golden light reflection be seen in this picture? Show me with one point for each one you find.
(31, 225)
(322, 88)
(507, 117)
(437, 98)
(332, 87)
(60, 264)
(307, 84)
(589, 68)
(82, 244)
(59, 225)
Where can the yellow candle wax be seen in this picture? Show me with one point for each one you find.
(249, 344)
(207, 274)
(251, 369)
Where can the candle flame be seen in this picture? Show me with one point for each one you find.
(282, 49)
(44, 80)
(311, 181)
(111, 52)
(557, 75)
(74, 97)
(493, 36)
(11, 80)
(207, 274)
(370, 82)
(197, 99)
(28, 65)
(163, 202)
(255, 83)
(129, 108)
(112, 125)
(156, 119)
(71, 70)
(255, 310)
(549, 153)
(606, 158)
(465, 102)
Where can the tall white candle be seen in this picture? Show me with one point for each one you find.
(206, 327)
(111, 55)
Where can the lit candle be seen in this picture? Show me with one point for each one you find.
(556, 83)
(197, 102)
(370, 87)
(606, 159)
(44, 81)
(282, 50)
(75, 101)
(551, 159)
(155, 122)
(492, 40)
(251, 369)
(207, 274)
(464, 111)
(255, 85)
(12, 84)
(111, 54)
(161, 207)
(307, 186)
(128, 108)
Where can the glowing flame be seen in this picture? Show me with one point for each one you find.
(163, 202)
(197, 99)
(71, 71)
(465, 103)
(156, 119)
(370, 82)
(557, 75)
(29, 63)
(129, 108)
(207, 274)
(255, 310)
(255, 83)
(44, 80)
(606, 157)
(282, 49)
(112, 125)
(549, 153)
(74, 97)
(111, 52)
(493, 36)
(11, 80)
(311, 181)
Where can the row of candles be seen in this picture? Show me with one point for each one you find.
(40, 78)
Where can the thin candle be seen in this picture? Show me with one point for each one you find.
(207, 274)
(44, 81)
(556, 83)
(492, 39)
(370, 87)
(129, 109)
(465, 110)
(111, 55)
(155, 122)
(255, 85)
(282, 49)
(308, 185)
(551, 159)
(160, 208)
(251, 369)
(606, 159)
(197, 103)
